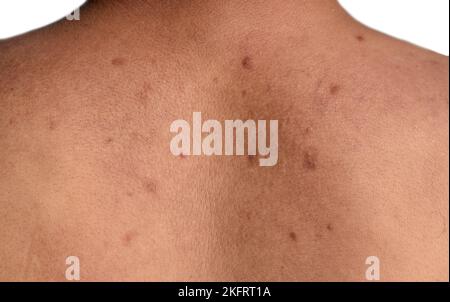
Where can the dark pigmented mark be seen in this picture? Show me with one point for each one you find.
(52, 125)
(109, 140)
(310, 158)
(334, 89)
(293, 236)
(330, 227)
(130, 194)
(360, 38)
(308, 131)
(216, 80)
(11, 121)
(252, 159)
(128, 237)
(247, 63)
(150, 187)
(244, 93)
(248, 215)
(118, 61)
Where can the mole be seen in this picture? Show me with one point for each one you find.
(329, 227)
(150, 186)
(360, 38)
(293, 236)
(310, 159)
(118, 61)
(247, 63)
(334, 89)
(51, 125)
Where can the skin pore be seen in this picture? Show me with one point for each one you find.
(86, 168)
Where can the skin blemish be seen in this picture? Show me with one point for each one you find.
(109, 140)
(248, 215)
(118, 62)
(247, 63)
(308, 131)
(244, 93)
(330, 227)
(150, 187)
(128, 237)
(310, 159)
(360, 38)
(11, 121)
(334, 89)
(293, 236)
(252, 160)
(52, 125)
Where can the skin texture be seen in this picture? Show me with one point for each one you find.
(86, 170)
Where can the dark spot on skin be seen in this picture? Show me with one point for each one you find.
(310, 159)
(130, 194)
(150, 187)
(11, 121)
(216, 80)
(182, 156)
(52, 125)
(247, 63)
(244, 93)
(128, 237)
(360, 38)
(329, 227)
(252, 159)
(118, 61)
(334, 89)
(109, 140)
(248, 215)
(308, 131)
(293, 236)
(268, 88)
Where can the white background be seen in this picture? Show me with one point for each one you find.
(422, 22)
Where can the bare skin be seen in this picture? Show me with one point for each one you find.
(85, 166)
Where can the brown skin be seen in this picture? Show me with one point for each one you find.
(85, 166)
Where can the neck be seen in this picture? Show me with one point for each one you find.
(236, 16)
